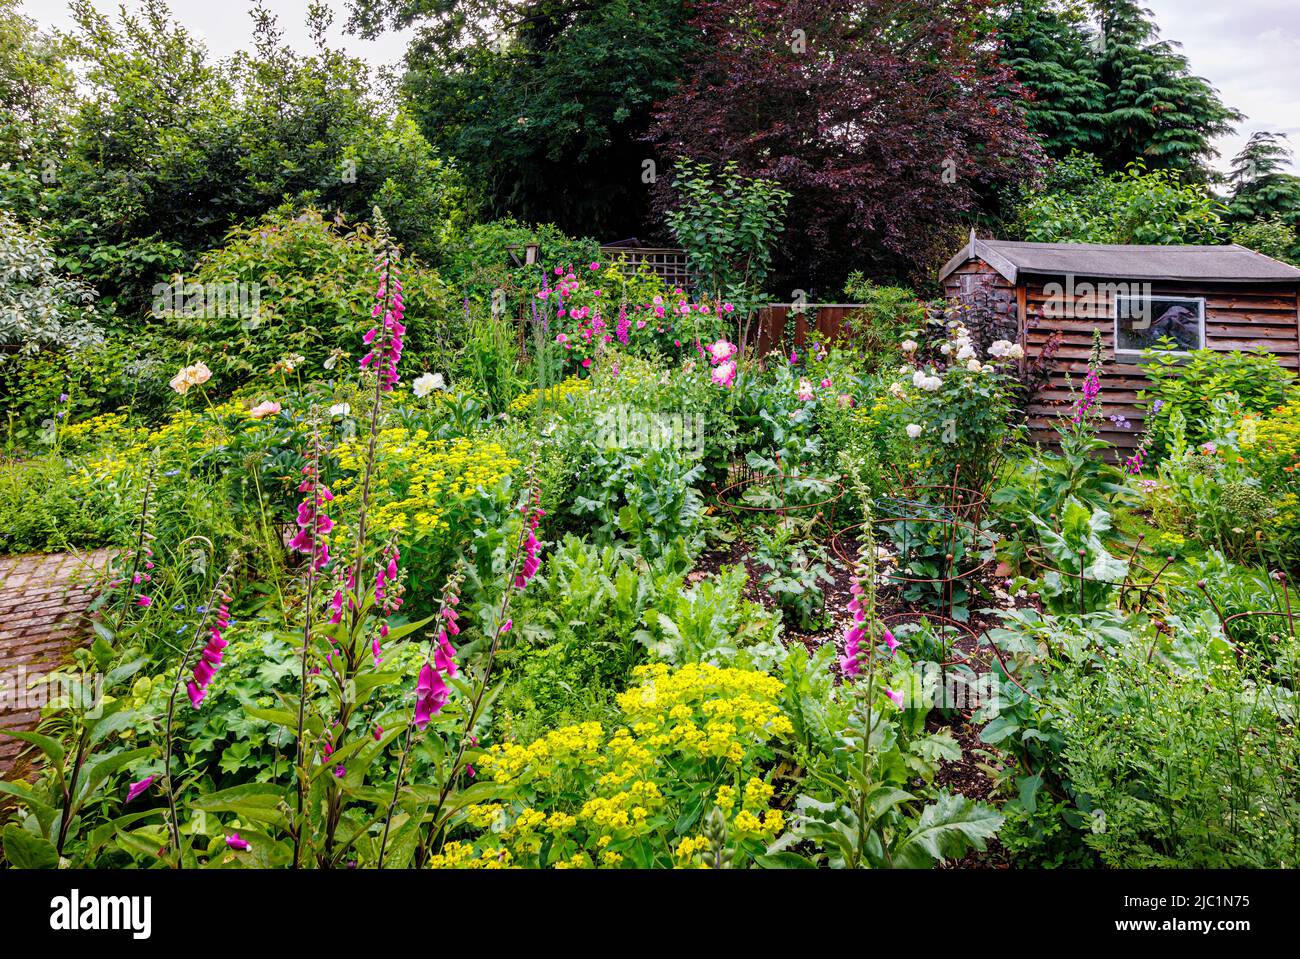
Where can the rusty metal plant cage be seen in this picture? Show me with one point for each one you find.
(741, 478)
(945, 523)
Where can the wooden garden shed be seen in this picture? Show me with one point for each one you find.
(1201, 297)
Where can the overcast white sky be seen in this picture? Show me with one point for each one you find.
(1249, 49)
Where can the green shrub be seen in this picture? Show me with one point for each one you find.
(41, 512)
(479, 260)
(306, 287)
(1189, 384)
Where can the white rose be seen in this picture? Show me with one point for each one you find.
(910, 346)
(932, 384)
(1000, 348)
(974, 366)
(967, 352)
(427, 383)
(1017, 352)
(946, 349)
(914, 431)
(340, 409)
(896, 390)
(918, 379)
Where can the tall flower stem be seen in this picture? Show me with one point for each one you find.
(386, 332)
(476, 704)
(218, 594)
(448, 591)
(376, 408)
(299, 753)
(142, 533)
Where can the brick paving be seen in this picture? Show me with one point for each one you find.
(43, 600)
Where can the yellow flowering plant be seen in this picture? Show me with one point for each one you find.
(678, 782)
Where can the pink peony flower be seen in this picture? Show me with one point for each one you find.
(721, 351)
(263, 410)
(724, 374)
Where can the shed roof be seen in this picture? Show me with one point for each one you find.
(1219, 264)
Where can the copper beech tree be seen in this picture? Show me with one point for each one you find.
(889, 121)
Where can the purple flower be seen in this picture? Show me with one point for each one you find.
(430, 696)
(138, 788)
(237, 844)
(210, 657)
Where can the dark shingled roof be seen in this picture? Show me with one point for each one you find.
(1219, 264)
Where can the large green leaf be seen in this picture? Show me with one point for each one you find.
(24, 850)
(946, 830)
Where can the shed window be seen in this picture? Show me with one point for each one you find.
(1141, 322)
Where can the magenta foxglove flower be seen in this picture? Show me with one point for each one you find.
(390, 307)
(138, 788)
(528, 563)
(237, 844)
(444, 657)
(210, 658)
(895, 697)
(313, 523)
(890, 641)
(430, 696)
(850, 662)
